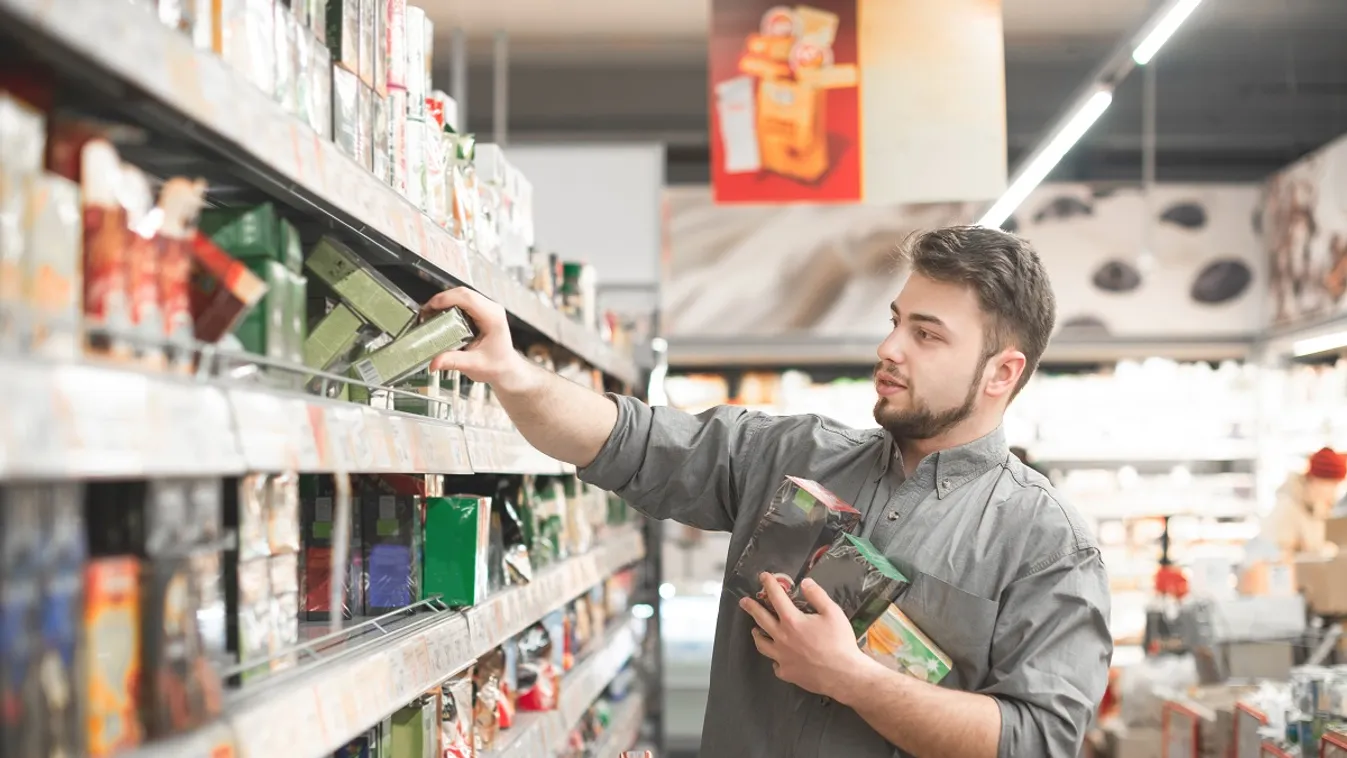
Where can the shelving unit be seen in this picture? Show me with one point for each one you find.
(80, 419)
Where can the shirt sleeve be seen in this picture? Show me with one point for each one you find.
(673, 465)
(1050, 656)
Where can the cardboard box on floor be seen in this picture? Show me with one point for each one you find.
(1324, 584)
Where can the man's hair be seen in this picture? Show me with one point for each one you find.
(1006, 275)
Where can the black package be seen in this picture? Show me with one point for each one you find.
(516, 565)
(20, 622)
(63, 554)
(858, 578)
(802, 520)
(183, 687)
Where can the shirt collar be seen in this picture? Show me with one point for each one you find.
(945, 471)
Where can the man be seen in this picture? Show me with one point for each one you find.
(1006, 578)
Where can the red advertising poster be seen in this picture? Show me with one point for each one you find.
(785, 102)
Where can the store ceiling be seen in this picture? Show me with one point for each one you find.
(1246, 87)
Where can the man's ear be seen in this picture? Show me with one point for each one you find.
(1006, 369)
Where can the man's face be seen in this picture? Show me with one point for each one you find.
(932, 370)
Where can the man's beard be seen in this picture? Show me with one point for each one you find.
(919, 422)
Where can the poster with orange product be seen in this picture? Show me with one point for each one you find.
(846, 101)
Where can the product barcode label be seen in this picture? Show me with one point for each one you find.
(368, 374)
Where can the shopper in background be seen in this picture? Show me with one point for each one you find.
(1298, 523)
(1006, 578)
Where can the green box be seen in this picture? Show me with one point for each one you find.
(246, 233)
(263, 331)
(409, 735)
(456, 549)
(413, 351)
(332, 338)
(361, 287)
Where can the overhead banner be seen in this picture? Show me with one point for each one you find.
(844, 101)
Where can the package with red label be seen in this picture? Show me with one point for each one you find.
(801, 522)
(539, 679)
(456, 717)
(223, 290)
(180, 203)
(142, 264)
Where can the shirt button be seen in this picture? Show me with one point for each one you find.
(944, 485)
(893, 515)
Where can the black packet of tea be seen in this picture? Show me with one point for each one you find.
(858, 578)
(801, 522)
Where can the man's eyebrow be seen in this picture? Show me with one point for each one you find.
(924, 318)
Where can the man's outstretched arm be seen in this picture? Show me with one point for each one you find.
(559, 417)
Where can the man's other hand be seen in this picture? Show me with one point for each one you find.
(814, 651)
(491, 358)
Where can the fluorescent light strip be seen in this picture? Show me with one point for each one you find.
(1321, 344)
(1162, 31)
(1042, 164)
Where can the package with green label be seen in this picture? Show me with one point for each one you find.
(391, 527)
(456, 548)
(858, 578)
(413, 351)
(895, 641)
(248, 234)
(799, 524)
(361, 287)
(332, 344)
(263, 331)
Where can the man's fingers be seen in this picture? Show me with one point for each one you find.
(763, 617)
(466, 361)
(818, 599)
(777, 596)
(469, 300)
(764, 644)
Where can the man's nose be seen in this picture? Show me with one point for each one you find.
(891, 349)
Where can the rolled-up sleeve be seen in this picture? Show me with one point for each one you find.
(1050, 656)
(673, 465)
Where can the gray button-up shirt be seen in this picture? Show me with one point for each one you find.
(1006, 578)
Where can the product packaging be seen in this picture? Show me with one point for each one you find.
(379, 138)
(229, 34)
(179, 205)
(263, 55)
(539, 677)
(409, 731)
(456, 716)
(22, 136)
(346, 111)
(487, 699)
(21, 720)
(800, 523)
(417, 86)
(298, 322)
(456, 549)
(365, 41)
(416, 160)
(516, 561)
(397, 140)
(207, 567)
(317, 571)
(343, 34)
(262, 331)
(53, 263)
(246, 512)
(283, 571)
(142, 264)
(412, 352)
(332, 342)
(395, 45)
(392, 530)
(365, 126)
(437, 144)
(283, 514)
(112, 643)
(858, 578)
(361, 287)
(320, 89)
(107, 309)
(895, 641)
(287, 32)
(252, 627)
(509, 683)
(182, 687)
(248, 233)
(63, 556)
(223, 290)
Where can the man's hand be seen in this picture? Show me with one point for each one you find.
(491, 358)
(813, 651)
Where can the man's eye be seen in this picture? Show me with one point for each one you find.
(924, 335)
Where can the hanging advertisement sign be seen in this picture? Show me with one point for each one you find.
(845, 101)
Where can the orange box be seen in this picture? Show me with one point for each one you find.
(792, 132)
(112, 651)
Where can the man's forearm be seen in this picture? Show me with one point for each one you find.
(557, 416)
(922, 719)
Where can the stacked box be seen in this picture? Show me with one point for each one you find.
(412, 352)
(391, 530)
(346, 112)
(317, 571)
(367, 292)
(343, 34)
(456, 549)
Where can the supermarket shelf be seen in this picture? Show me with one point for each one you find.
(317, 709)
(545, 733)
(85, 420)
(624, 729)
(226, 112)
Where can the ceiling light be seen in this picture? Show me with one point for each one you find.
(1163, 29)
(1088, 112)
(1321, 344)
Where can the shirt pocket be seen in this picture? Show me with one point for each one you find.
(959, 623)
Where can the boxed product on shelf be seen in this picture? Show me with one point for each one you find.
(183, 688)
(800, 523)
(287, 91)
(63, 553)
(107, 310)
(207, 567)
(539, 677)
(509, 684)
(321, 90)
(487, 699)
(392, 530)
(343, 34)
(409, 729)
(858, 578)
(248, 233)
(365, 126)
(413, 351)
(418, 27)
(426, 398)
(317, 570)
(456, 548)
(332, 343)
(456, 716)
(394, 45)
(397, 140)
(180, 202)
(283, 573)
(251, 623)
(52, 263)
(264, 330)
(22, 142)
(895, 641)
(415, 136)
(223, 290)
(142, 264)
(21, 618)
(436, 143)
(346, 112)
(283, 533)
(379, 138)
(298, 318)
(262, 56)
(361, 287)
(111, 629)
